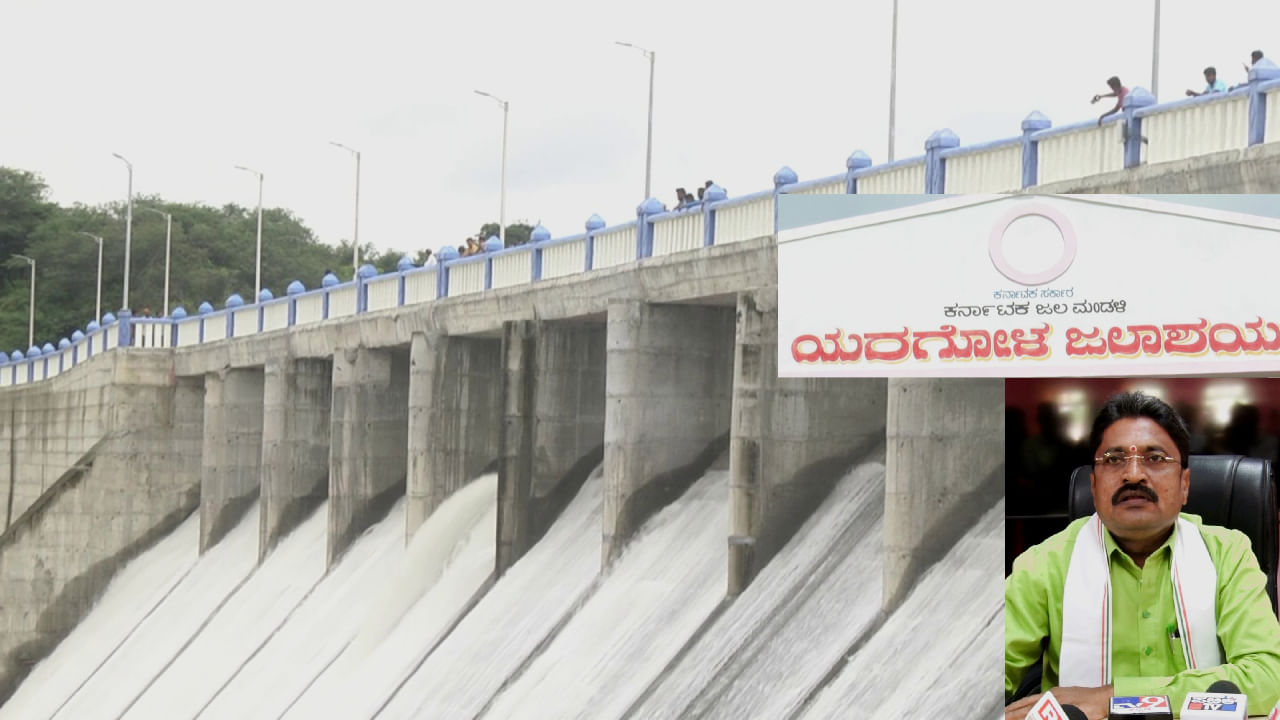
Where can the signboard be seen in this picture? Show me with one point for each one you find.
(1031, 286)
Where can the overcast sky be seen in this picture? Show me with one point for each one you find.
(742, 89)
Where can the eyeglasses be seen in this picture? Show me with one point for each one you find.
(1154, 461)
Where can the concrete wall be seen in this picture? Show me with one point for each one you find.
(231, 465)
(368, 442)
(792, 440)
(454, 412)
(137, 484)
(552, 436)
(945, 468)
(45, 427)
(668, 396)
(297, 395)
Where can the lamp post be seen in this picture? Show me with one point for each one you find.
(97, 310)
(355, 242)
(893, 79)
(502, 197)
(128, 230)
(257, 273)
(31, 305)
(168, 241)
(1155, 54)
(648, 149)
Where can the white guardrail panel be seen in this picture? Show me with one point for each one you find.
(309, 308)
(564, 258)
(342, 301)
(1081, 152)
(1198, 128)
(466, 277)
(383, 292)
(55, 363)
(275, 315)
(246, 321)
(996, 169)
(678, 233)
(189, 332)
(747, 220)
(614, 247)
(215, 327)
(832, 187)
(512, 268)
(1272, 129)
(145, 334)
(110, 336)
(420, 285)
(906, 179)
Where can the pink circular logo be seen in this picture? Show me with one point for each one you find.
(1038, 277)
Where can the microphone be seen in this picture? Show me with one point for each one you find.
(1147, 707)
(1046, 708)
(1222, 701)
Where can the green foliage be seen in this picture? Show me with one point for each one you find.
(212, 253)
(517, 233)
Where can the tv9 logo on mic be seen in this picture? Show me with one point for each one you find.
(1147, 706)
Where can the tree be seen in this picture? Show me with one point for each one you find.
(517, 233)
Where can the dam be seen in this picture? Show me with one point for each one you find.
(562, 480)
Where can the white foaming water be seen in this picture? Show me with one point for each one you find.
(318, 629)
(505, 628)
(240, 626)
(847, 519)
(127, 600)
(651, 601)
(940, 652)
(771, 673)
(461, 533)
(162, 635)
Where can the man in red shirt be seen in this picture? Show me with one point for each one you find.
(1118, 91)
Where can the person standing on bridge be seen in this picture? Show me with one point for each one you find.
(1212, 83)
(1118, 91)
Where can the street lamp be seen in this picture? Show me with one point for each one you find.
(168, 238)
(128, 230)
(893, 79)
(257, 274)
(502, 198)
(31, 306)
(97, 312)
(648, 150)
(1155, 54)
(355, 242)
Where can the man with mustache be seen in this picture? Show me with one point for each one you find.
(1139, 598)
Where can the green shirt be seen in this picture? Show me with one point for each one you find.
(1145, 661)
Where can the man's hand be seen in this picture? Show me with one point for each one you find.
(1192, 93)
(1095, 99)
(1095, 703)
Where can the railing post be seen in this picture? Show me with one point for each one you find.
(784, 177)
(537, 237)
(1133, 102)
(488, 272)
(1032, 124)
(594, 224)
(644, 226)
(714, 194)
(125, 324)
(1261, 72)
(857, 161)
(935, 171)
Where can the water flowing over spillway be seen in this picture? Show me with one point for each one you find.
(424, 629)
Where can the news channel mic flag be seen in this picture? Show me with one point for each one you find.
(1027, 285)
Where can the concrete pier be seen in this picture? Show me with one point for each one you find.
(945, 467)
(453, 418)
(231, 466)
(668, 399)
(553, 396)
(295, 444)
(792, 440)
(368, 451)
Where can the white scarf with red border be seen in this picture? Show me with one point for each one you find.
(1085, 658)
